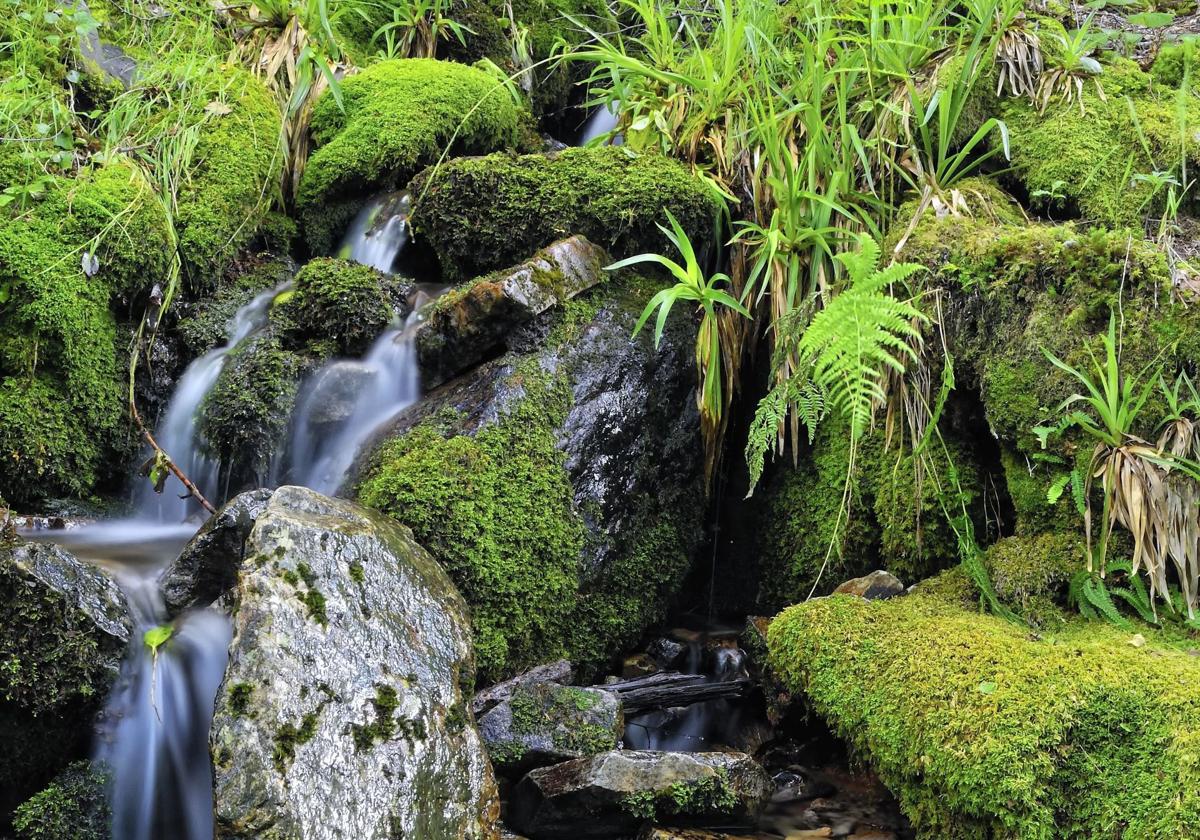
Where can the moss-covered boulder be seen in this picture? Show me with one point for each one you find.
(64, 627)
(72, 807)
(337, 308)
(560, 486)
(396, 118)
(62, 407)
(476, 213)
(983, 730)
(1031, 573)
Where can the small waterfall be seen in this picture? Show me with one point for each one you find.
(154, 733)
(379, 232)
(600, 122)
(176, 433)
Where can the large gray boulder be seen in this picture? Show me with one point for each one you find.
(64, 627)
(343, 714)
(615, 793)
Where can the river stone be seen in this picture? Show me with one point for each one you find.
(468, 324)
(342, 713)
(877, 586)
(64, 628)
(331, 394)
(558, 671)
(547, 723)
(615, 793)
(208, 566)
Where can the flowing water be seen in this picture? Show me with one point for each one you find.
(599, 123)
(379, 232)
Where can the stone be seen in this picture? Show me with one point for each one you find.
(466, 325)
(548, 723)
(668, 653)
(342, 713)
(660, 833)
(331, 394)
(64, 628)
(208, 566)
(877, 586)
(638, 665)
(617, 793)
(558, 671)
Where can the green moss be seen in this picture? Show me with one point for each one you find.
(397, 118)
(245, 415)
(1026, 568)
(356, 572)
(338, 304)
(496, 510)
(475, 213)
(982, 730)
(204, 324)
(239, 698)
(707, 796)
(61, 396)
(232, 181)
(290, 737)
(559, 712)
(1091, 157)
(73, 807)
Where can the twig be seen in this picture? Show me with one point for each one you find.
(193, 490)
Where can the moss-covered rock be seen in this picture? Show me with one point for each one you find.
(982, 730)
(204, 324)
(73, 807)
(546, 723)
(1031, 573)
(475, 213)
(516, 477)
(61, 395)
(336, 308)
(397, 117)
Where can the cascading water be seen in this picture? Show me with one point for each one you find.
(379, 232)
(599, 123)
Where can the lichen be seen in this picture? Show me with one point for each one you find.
(984, 730)
(474, 213)
(397, 117)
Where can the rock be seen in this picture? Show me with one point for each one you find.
(64, 627)
(876, 586)
(615, 793)
(332, 393)
(638, 665)
(466, 325)
(549, 723)
(659, 833)
(208, 566)
(668, 653)
(556, 672)
(342, 712)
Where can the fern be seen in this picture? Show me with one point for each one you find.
(1135, 595)
(1091, 597)
(799, 395)
(861, 334)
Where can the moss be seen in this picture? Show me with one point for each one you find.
(889, 527)
(496, 510)
(232, 180)
(475, 213)
(982, 730)
(61, 395)
(291, 736)
(245, 415)
(205, 324)
(356, 572)
(1025, 568)
(239, 698)
(74, 807)
(397, 118)
(556, 711)
(385, 725)
(707, 796)
(1090, 158)
(336, 304)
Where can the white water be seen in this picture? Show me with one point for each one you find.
(379, 232)
(599, 123)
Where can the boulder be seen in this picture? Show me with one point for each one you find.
(342, 712)
(616, 793)
(876, 586)
(64, 627)
(558, 671)
(548, 723)
(208, 566)
(466, 325)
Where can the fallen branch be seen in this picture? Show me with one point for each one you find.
(193, 490)
(660, 691)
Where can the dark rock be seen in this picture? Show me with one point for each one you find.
(466, 325)
(638, 665)
(617, 793)
(555, 672)
(342, 712)
(549, 723)
(64, 627)
(208, 566)
(332, 391)
(876, 586)
(668, 653)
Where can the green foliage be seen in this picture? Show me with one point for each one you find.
(156, 637)
(983, 730)
(73, 807)
(474, 213)
(335, 303)
(395, 118)
(290, 737)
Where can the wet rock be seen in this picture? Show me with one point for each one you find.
(468, 324)
(208, 566)
(549, 723)
(342, 712)
(333, 391)
(618, 792)
(555, 672)
(668, 653)
(876, 586)
(64, 627)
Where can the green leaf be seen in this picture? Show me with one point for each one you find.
(987, 688)
(1151, 20)
(156, 637)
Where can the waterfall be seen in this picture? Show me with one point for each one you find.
(379, 232)
(176, 434)
(600, 122)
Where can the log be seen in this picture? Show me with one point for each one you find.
(671, 688)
